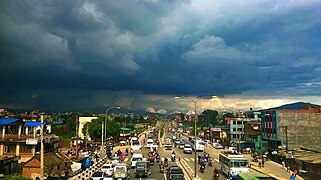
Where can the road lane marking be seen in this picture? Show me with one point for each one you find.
(186, 159)
(216, 160)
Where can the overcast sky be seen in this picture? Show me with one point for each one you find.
(87, 55)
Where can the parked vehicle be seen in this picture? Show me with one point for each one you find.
(175, 173)
(121, 172)
(142, 169)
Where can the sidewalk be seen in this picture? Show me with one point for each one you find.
(273, 169)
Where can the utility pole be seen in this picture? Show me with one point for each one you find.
(287, 146)
(77, 124)
(42, 150)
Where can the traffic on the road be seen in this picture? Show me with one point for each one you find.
(171, 157)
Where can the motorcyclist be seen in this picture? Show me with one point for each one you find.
(210, 161)
(173, 152)
(166, 162)
(126, 151)
(173, 157)
(216, 173)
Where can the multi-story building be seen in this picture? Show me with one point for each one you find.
(236, 129)
(301, 126)
(19, 138)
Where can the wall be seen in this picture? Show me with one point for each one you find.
(304, 128)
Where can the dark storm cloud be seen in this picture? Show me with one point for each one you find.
(84, 50)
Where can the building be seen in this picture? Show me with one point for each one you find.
(19, 138)
(56, 166)
(301, 126)
(81, 124)
(252, 135)
(236, 129)
(9, 164)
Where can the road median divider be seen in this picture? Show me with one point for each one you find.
(188, 171)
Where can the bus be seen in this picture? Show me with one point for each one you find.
(233, 163)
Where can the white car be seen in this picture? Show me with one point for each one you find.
(181, 146)
(135, 158)
(149, 143)
(107, 169)
(188, 149)
(218, 146)
(97, 176)
(115, 160)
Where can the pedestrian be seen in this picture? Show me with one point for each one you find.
(292, 177)
(283, 164)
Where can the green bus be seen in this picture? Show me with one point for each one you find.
(254, 176)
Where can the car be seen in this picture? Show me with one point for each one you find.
(149, 143)
(181, 145)
(115, 160)
(135, 158)
(107, 169)
(121, 171)
(97, 176)
(218, 146)
(188, 149)
(175, 173)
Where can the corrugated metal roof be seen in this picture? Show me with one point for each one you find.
(5, 121)
(32, 124)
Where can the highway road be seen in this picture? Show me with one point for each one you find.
(154, 168)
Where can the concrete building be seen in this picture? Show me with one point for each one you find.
(302, 127)
(22, 138)
(236, 129)
(82, 122)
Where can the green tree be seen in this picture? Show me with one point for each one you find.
(70, 125)
(85, 129)
(113, 129)
(94, 128)
(210, 116)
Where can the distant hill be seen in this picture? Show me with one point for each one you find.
(294, 106)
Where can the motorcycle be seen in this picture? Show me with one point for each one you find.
(157, 159)
(173, 158)
(166, 164)
(216, 176)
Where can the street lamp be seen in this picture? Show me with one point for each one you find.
(105, 132)
(195, 101)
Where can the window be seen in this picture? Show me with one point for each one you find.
(239, 129)
(234, 129)
(234, 122)
(239, 122)
(25, 149)
(9, 149)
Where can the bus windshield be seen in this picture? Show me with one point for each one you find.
(239, 163)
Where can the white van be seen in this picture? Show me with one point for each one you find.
(135, 158)
(135, 145)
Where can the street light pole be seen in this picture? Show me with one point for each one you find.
(195, 157)
(195, 101)
(105, 132)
